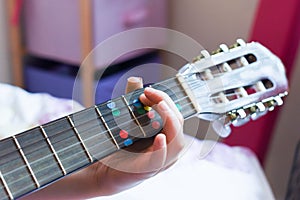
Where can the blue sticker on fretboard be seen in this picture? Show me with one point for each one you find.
(146, 117)
(118, 118)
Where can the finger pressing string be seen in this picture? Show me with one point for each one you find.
(152, 96)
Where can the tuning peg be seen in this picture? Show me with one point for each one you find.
(283, 94)
(253, 111)
(258, 115)
(240, 121)
(261, 106)
(242, 114)
(278, 100)
(205, 54)
(224, 48)
(241, 42)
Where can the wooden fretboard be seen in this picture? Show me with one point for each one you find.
(37, 157)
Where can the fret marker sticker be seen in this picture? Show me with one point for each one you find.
(111, 105)
(141, 111)
(151, 115)
(155, 125)
(178, 106)
(147, 108)
(128, 142)
(137, 103)
(123, 134)
(116, 112)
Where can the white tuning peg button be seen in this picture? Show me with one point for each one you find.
(242, 114)
(224, 48)
(278, 100)
(241, 122)
(205, 54)
(258, 115)
(261, 106)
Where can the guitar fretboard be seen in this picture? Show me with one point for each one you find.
(35, 158)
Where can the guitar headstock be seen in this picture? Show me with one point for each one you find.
(236, 84)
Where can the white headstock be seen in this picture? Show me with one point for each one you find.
(236, 84)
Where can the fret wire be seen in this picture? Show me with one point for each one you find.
(174, 101)
(80, 139)
(107, 128)
(44, 168)
(133, 115)
(26, 161)
(53, 151)
(94, 145)
(6, 186)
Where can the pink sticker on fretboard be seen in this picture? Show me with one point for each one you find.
(156, 125)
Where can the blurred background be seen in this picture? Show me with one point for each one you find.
(44, 42)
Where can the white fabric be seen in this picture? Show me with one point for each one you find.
(20, 110)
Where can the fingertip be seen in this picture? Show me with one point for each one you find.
(160, 142)
(134, 83)
(149, 91)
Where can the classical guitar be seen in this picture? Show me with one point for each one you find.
(230, 87)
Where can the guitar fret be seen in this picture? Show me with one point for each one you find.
(6, 187)
(133, 115)
(53, 151)
(80, 139)
(26, 162)
(107, 128)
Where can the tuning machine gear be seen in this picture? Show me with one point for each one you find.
(254, 111)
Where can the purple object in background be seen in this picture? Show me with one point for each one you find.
(52, 28)
(58, 79)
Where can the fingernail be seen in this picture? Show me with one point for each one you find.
(134, 79)
(162, 141)
(134, 83)
(150, 89)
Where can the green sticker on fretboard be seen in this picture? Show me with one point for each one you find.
(145, 116)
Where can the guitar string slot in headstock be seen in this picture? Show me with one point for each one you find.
(241, 92)
(235, 79)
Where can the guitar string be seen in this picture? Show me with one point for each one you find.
(82, 133)
(65, 159)
(112, 127)
(126, 106)
(61, 150)
(215, 97)
(167, 80)
(23, 147)
(87, 122)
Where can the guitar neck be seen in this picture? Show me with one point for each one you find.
(37, 157)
